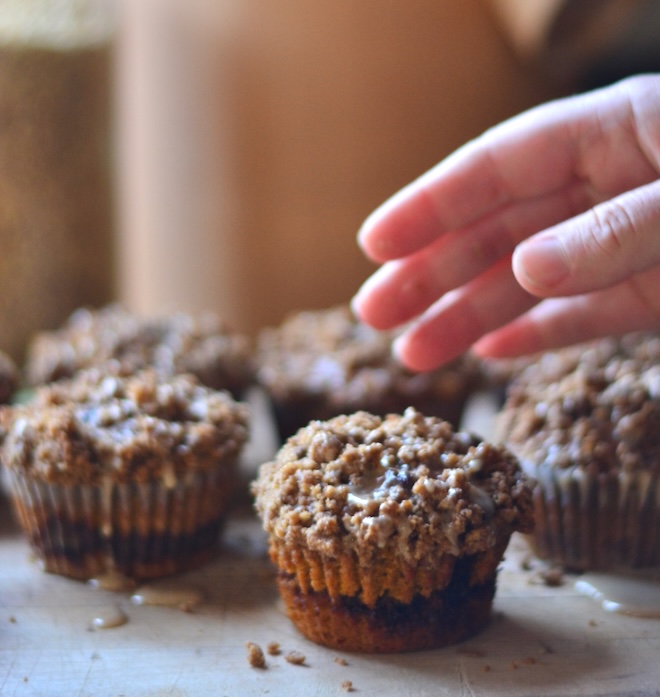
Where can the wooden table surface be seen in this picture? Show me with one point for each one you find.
(543, 641)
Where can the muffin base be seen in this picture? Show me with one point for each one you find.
(447, 616)
(602, 522)
(142, 531)
(134, 557)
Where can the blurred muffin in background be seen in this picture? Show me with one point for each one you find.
(123, 343)
(125, 475)
(322, 363)
(585, 423)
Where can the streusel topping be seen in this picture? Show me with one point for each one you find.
(595, 406)
(407, 481)
(330, 354)
(124, 343)
(137, 428)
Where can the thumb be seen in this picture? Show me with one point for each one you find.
(606, 245)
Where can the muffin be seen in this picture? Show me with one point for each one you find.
(585, 423)
(319, 364)
(123, 343)
(127, 475)
(8, 378)
(387, 531)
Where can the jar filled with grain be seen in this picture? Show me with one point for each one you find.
(56, 202)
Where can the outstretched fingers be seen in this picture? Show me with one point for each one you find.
(403, 288)
(456, 245)
(607, 139)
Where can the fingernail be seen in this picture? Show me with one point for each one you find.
(355, 305)
(541, 262)
(397, 348)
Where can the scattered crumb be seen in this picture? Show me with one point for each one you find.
(347, 686)
(529, 660)
(545, 574)
(25, 678)
(274, 648)
(546, 648)
(593, 623)
(486, 668)
(296, 658)
(553, 577)
(513, 666)
(341, 661)
(12, 619)
(256, 656)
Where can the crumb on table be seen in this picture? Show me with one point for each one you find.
(256, 656)
(347, 686)
(273, 648)
(553, 577)
(296, 658)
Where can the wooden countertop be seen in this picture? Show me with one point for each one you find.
(542, 642)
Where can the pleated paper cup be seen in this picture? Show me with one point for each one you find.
(140, 530)
(596, 521)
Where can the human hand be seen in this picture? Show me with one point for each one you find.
(542, 232)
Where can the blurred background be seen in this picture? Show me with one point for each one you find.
(221, 154)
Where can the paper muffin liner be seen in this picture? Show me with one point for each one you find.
(385, 604)
(368, 577)
(140, 530)
(605, 521)
(445, 617)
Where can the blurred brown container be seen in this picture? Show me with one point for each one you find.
(56, 203)
(256, 136)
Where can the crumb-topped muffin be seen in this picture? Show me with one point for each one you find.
(585, 422)
(318, 364)
(123, 343)
(131, 475)
(9, 379)
(387, 531)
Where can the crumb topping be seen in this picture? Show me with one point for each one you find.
(595, 407)
(136, 428)
(408, 482)
(124, 343)
(328, 353)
